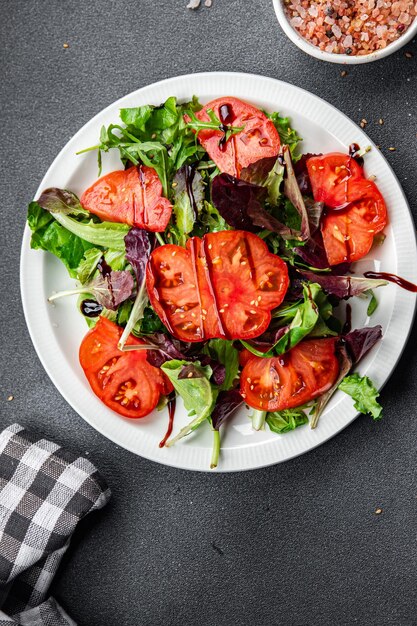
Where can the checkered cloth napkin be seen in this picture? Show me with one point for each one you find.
(44, 492)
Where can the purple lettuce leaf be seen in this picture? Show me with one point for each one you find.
(345, 364)
(233, 198)
(62, 201)
(226, 404)
(343, 287)
(163, 348)
(240, 204)
(139, 244)
(257, 172)
(314, 211)
(301, 173)
(358, 342)
(293, 193)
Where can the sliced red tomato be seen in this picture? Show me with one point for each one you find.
(331, 176)
(132, 196)
(283, 382)
(259, 138)
(124, 381)
(223, 285)
(355, 209)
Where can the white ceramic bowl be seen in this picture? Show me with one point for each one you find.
(343, 59)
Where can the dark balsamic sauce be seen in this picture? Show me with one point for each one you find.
(393, 278)
(189, 179)
(226, 114)
(353, 153)
(90, 308)
(226, 117)
(105, 270)
(171, 413)
(347, 326)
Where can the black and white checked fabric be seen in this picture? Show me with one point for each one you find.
(44, 492)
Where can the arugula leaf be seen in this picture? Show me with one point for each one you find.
(224, 351)
(283, 421)
(197, 393)
(364, 393)
(287, 134)
(48, 235)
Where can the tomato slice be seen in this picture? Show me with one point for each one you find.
(302, 374)
(223, 285)
(124, 381)
(331, 177)
(258, 140)
(355, 209)
(132, 196)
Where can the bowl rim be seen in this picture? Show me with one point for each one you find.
(341, 59)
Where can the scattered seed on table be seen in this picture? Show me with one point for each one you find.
(343, 73)
(363, 123)
(378, 511)
(10, 398)
(408, 55)
(66, 45)
(381, 121)
(392, 149)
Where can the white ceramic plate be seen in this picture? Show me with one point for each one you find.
(57, 331)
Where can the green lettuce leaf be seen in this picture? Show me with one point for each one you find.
(49, 235)
(283, 421)
(224, 351)
(364, 393)
(196, 392)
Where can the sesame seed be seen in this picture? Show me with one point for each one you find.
(343, 73)
(408, 55)
(10, 398)
(381, 121)
(174, 253)
(392, 149)
(65, 45)
(378, 511)
(363, 123)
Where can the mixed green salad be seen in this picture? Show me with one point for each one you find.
(212, 265)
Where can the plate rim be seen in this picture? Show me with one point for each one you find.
(25, 248)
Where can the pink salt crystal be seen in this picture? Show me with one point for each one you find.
(364, 17)
(380, 31)
(404, 18)
(348, 41)
(319, 21)
(328, 20)
(313, 11)
(296, 21)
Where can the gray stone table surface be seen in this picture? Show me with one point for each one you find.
(295, 544)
